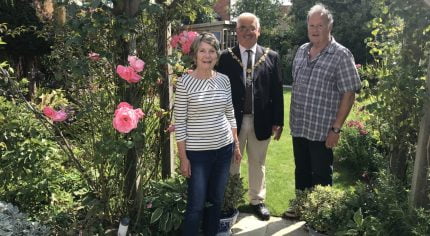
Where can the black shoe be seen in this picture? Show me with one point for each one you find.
(261, 211)
(290, 214)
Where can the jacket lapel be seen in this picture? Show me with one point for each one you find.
(236, 52)
(258, 54)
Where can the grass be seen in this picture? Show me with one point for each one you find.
(279, 169)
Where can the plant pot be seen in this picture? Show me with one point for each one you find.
(226, 223)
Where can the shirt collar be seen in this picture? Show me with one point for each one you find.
(243, 49)
(330, 48)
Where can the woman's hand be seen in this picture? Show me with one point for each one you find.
(185, 167)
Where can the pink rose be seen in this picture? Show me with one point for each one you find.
(128, 73)
(124, 104)
(56, 116)
(49, 111)
(357, 66)
(126, 118)
(94, 56)
(60, 116)
(136, 63)
(186, 48)
(184, 40)
(139, 113)
(175, 40)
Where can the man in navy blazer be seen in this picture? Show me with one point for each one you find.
(256, 84)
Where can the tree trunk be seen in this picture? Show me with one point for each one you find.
(420, 182)
(398, 160)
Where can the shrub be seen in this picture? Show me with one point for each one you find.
(358, 151)
(381, 208)
(323, 208)
(12, 222)
(34, 170)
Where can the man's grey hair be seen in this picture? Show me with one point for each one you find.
(322, 9)
(249, 15)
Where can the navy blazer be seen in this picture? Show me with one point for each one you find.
(268, 92)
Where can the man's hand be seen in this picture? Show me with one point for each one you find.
(276, 132)
(237, 155)
(332, 139)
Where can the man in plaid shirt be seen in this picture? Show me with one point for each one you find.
(325, 81)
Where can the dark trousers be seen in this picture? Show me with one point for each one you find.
(206, 187)
(314, 163)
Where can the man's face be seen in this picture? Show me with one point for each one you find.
(318, 29)
(247, 32)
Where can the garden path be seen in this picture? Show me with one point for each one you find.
(249, 225)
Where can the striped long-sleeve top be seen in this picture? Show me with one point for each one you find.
(204, 114)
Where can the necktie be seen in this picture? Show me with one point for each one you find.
(249, 68)
(247, 108)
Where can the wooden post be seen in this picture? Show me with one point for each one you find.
(165, 100)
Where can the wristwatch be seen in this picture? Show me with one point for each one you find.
(335, 130)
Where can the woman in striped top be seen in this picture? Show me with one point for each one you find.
(206, 136)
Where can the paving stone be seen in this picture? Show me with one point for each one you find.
(249, 225)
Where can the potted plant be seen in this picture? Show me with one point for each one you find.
(233, 197)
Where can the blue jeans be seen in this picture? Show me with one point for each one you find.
(206, 186)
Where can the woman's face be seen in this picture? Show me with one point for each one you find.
(206, 56)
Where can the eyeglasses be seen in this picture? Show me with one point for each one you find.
(246, 29)
(317, 27)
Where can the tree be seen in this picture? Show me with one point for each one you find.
(396, 83)
(420, 189)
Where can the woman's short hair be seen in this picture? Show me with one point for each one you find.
(321, 8)
(208, 38)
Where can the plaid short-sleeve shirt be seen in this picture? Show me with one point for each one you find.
(318, 85)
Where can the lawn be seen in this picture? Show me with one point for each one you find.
(279, 168)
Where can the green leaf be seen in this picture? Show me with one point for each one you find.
(167, 222)
(358, 217)
(375, 32)
(156, 215)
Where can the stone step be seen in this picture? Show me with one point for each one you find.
(248, 225)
